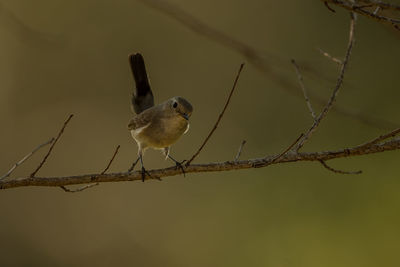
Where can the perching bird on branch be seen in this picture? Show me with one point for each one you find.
(157, 126)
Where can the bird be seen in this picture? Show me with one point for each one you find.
(155, 126)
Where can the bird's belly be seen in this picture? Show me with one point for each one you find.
(162, 134)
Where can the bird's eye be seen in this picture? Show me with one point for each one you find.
(175, 105)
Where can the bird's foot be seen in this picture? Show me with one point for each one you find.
(180, 166)
(144, 173)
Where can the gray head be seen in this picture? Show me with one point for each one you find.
(180, 106)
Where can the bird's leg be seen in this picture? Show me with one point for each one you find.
(133, 165)
(144, 172)
(178, 164)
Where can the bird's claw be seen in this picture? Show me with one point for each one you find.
(180, 166)
(144, 172)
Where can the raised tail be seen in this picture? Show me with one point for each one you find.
(142, 97)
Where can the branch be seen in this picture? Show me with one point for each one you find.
(219, 117)
(80, 189)
(395, 23)
(25, 158)
(111, 160)
(381, 138)
(300, 78)
(257, 59)
(339, 83)
(209, 167)
(338, 171)
(52, 146)
(277, 157)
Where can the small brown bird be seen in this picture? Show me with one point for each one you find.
(158, 126)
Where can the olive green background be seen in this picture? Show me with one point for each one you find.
(61, 57)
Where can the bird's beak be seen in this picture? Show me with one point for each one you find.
(185, 116)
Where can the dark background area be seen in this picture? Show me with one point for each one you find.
(61, 57)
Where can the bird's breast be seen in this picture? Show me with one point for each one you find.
(164, 132)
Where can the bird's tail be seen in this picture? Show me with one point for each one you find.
(142, 98)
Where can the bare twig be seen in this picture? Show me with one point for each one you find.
(80, 189)
(301, 82)
(393, 144)
(219, 117)
(371, 14)
(328, 7)
(339, 83)
(26, 157)
(52, 146)
(338, 171)
(240, 150)
(111, 160)
(336, 60)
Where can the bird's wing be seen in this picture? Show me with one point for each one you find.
(142, 98)
(141, 120)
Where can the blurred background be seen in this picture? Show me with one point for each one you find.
(61, 57)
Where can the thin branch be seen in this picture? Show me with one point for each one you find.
(25, 158)
(80, 189)
(52, 146)
(240, 150)
(381, 138)
(111, 160)
(393, 144)
(382, 5)
(336, 60)
(337, 171)
(339, 83)
(328, 7)
(300, 78)
(219, 117)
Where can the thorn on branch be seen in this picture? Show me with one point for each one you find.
(52, 146)
(338, 171)
(219, 117)
(240, 150)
